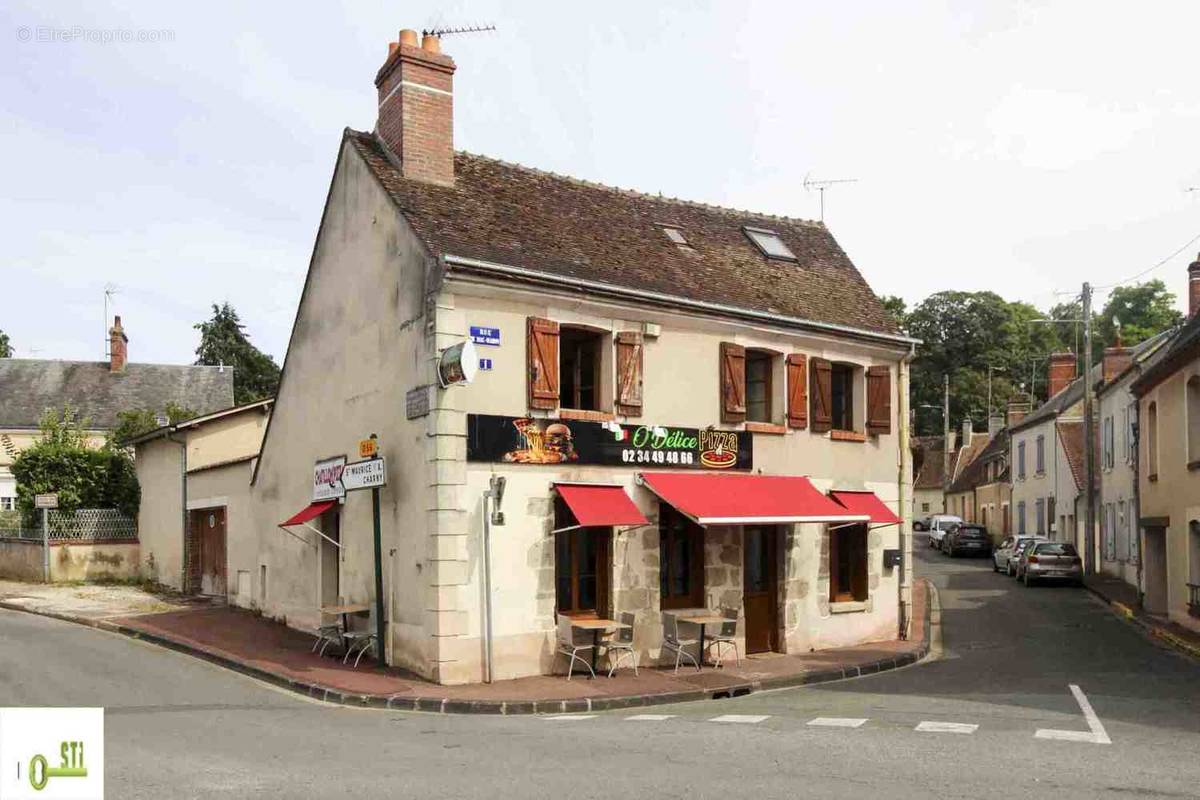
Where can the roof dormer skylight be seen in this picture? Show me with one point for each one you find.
(769, 243)
(675, 235)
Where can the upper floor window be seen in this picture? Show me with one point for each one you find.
(583, 369)
(1193, 422)
(579, 368)
(758, 385)
(842, 397)
(1152, 441)
(1021, 460)
(1041, 455)
(769, 243)
(674, 234)
(1107, 437)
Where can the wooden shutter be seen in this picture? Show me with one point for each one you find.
(797, 389)
(629, 373)
(879, 400)
(821, 372)
(733, 382)
(542, 351)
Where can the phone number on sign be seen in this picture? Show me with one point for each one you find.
(657, 457)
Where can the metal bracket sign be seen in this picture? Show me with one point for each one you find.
(369, 474)
(49, 500)
(327, 479)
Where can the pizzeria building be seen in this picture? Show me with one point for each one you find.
(678, 407)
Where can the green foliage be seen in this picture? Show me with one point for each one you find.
(6, 350)
(896, 306)
(223, 341)
(133, 423)
(84, 477)
(1143, 310)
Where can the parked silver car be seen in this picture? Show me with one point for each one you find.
(1004, 557)
(1057, 561)
(938, 525)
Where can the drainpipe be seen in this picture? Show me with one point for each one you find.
(904, 492)
(1134, 519)
(183, 495)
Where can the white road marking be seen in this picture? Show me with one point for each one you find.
(744, 719)
(837, 722)
(946, 727)
(651, 717)
(572, 716)
(1095, 734)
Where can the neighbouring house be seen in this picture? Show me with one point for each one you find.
(982, 491)
(195, 523)
(691, 407)
(98, 391)
(960, 495)
(1168, 470)
(1117, 412)
(929, 486)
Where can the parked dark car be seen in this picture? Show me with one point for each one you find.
(967, 540)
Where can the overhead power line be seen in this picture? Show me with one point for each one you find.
(1150, 269)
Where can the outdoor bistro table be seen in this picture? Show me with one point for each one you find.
(700, 620)
(345, 611)
(596, 626)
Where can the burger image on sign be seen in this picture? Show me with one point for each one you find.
(552, 445)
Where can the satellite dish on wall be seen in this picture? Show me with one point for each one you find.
(458, 364)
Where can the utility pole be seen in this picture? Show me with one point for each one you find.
(1089, 444)
(946, 439)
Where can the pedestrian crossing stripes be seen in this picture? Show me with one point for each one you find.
(946, 727)
(837, 722)
(741, 719)
(649, 717)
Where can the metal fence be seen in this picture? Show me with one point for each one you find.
(82, 525)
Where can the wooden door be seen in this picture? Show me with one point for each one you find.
(760, 589)
(212, 551)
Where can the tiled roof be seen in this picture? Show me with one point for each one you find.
(30, 386)
(515, 216)
(1182, 349)
(1071, 434)
(929, 460)
(967, 455)
(974, 473)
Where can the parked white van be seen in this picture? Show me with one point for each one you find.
(938, 525)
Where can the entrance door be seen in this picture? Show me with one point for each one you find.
(760, 589)
(330, 584)
(212, 550)
(1155, 570)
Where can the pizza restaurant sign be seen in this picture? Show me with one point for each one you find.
(523, 440)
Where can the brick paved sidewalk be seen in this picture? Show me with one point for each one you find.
(273, 652)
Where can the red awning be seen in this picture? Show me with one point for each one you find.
(308, 513)
(737, 499)
(596, 505)
(866, 503)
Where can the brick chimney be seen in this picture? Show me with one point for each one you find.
(1018, 407)
(1194, 287)
(118, 347)
(1061, 373)
(1116, 359)
(416, 108)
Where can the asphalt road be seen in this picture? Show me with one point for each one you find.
(178, 727)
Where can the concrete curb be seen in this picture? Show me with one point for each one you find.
(1148, 628)
(446, 705)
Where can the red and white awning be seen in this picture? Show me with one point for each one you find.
(306, 515)
(738, 499)
(866, 503)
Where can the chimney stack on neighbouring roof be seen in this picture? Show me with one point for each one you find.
(1194, 287)
(1018, 407)
(118, 347)
(1061, 373)
(967, 430)
(416, 108)
(995, 424)
(1116, 359)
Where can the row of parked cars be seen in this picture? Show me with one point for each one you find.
(1029, 558)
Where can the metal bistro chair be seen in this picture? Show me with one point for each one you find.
(571, 643)
(727, 635)
(327, 634)
(620, 644)
(673, 643)
(360, 641)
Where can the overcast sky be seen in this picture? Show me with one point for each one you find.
(1017, 147)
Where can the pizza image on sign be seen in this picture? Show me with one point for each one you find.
(718, 449)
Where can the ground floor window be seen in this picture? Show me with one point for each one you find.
(681, 549)
(925, 507)
(8, 503)
(582, 563)
(848, 563)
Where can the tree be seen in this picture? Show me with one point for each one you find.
(135, 422)
(6, 350)
(62, 461)
(1144, 310)
(896, 306)
(223, 341)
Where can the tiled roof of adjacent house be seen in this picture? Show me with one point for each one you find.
(515, 216)
(28, 387)
(1071, 434)
(974, 473)
(968, 454)
(1183, 348)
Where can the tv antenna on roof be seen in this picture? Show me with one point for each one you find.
(439, 32)
(821, 186)
(109, 290)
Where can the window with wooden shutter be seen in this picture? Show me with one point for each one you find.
(629, 373)
(879, 400)
(542, 350)
(821, 393)
(797, 389)
(733, 382)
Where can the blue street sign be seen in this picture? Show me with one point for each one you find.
(488, 336)
(485, 363)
